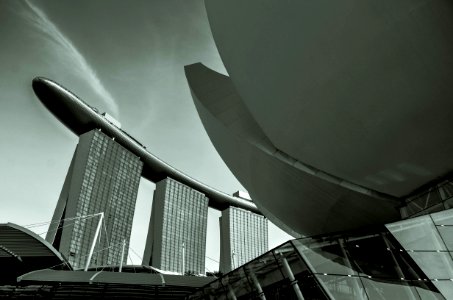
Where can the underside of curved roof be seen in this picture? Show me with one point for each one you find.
(358, 89)
(334, 111)
(297, 198)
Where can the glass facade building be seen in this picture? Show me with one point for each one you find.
(103, 177)
(177, 229)
(410, 259)
(243, 236)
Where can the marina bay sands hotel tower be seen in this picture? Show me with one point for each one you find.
(104, 176)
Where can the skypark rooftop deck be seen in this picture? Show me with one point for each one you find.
(79, 117)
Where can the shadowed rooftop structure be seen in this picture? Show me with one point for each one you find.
(22, 251)
(101, 284)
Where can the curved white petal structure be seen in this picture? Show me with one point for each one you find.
(294, 196)
(334, 112)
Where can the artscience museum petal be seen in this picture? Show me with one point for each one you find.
(294, 196)
(334, 115)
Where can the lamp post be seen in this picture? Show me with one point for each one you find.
(183, 258)
(122, 255)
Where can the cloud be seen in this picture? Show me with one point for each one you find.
(68, 53)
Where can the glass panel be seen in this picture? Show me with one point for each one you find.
(342, 287)
(426, 294)
(266, 269)
(443, 218)
(374, 256)
(449, 203)
(424, 201)
(304, 278)
(447, 190)
(389, 290)
(447, 235)
(436, 265)
(420, 201)
(433, 209)
(215, 289)
(446, 288)
(417, 234)
(324, 256)
(413, 208)
(310, 287)
(432, 197)
(239, 283)
(282, 290)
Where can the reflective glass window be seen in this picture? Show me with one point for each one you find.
(436, 265)
(448, 203)
(342, 287)
(443, 218)
(380, 289)
(324, 256)
(417, 234)
(375, 256)
(445, 287)
(446, 232)
(239, 283)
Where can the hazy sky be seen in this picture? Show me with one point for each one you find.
(125, 58)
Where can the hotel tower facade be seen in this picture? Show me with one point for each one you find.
(103, 178)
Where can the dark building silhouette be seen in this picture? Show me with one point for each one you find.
(177, 229)
(103, 177)
(243, 237)
(134, 282)
(23, 251)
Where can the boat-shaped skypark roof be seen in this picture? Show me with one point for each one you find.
(80, 117)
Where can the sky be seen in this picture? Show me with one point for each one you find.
(125, 58)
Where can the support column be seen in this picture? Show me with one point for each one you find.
(292, 279)
(231, 293)
(257, 285)
(348, 264)
(183, 258)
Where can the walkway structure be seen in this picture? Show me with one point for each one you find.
(409, 259)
